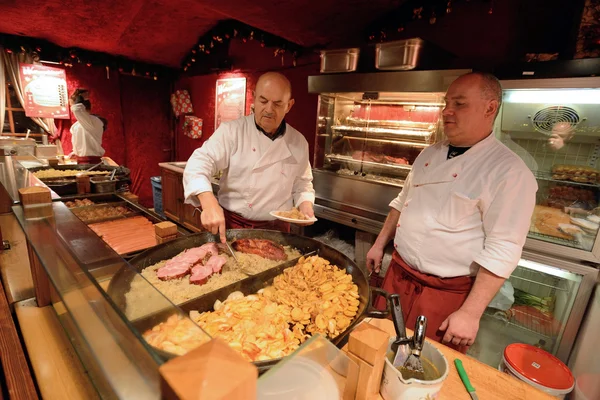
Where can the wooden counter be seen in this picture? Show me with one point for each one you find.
(489, 383)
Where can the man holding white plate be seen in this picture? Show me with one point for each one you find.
(264, 162)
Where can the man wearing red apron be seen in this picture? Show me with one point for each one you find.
(86, 133)
(264, 164)
(461, 220)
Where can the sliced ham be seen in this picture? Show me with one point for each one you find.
(216, 263)
(200, 274)
(180, 265)
(173, 271)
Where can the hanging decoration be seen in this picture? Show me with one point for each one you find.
(588, 39)
(227, 30)
(415, 10)
(42, 50)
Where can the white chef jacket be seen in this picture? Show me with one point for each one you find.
(474, 207)
(86, 133)
(259, 175)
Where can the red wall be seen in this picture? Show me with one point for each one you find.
(250, 61)
(137, 111)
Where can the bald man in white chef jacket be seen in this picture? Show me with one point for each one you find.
(264, 162)
(461, 220)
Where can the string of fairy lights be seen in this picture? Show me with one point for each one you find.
(45, 51)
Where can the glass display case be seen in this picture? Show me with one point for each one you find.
(109, 343)
(542, 304)
(370, 128)
(554, 126)
(375, 137)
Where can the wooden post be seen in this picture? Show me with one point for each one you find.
(53, 162)
(36, 202)
(165, 232)
(213, 371)
(367, 346)
(83, 184)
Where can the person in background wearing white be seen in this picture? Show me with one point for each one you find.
(264, 162)
(86, 133)
(461, 220)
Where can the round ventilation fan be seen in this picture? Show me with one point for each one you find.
(545, 119)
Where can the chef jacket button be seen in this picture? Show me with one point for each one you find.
(395, 245)
(426, 164)
(250, 205)
(455, 175)
(253, 149)
(406, 204)
(398, 226)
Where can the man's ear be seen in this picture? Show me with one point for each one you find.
(492, 108)
(289, 106)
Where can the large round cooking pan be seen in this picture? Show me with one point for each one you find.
(120, 284)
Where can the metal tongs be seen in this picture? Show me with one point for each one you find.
(406, 357)
(197, 209)
(94, 166)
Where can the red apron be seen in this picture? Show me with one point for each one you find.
(89, 160)
(428, 295)
(236, 221)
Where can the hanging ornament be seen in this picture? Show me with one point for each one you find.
(133, 71)
(262, 43)
(38, 49)
(491, 10)
(207, 51)
(193, 51)
(185, 68)
(449, 7)
(417, 13)
(107, 72)
(235, 33)
(155, 77)
(244, 40)
(120, 69)
(371, 37)
(400, 29)
(295, 59)
(201, 47)
(23, 51)
(73, 54)
(251, 35)
(9, 51)
(227, 36)
(433, 18)
(89, 64)
(382, 36)
(193, 59)
(147, 73)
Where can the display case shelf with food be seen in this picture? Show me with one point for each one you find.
(542, 304)
(553, 125)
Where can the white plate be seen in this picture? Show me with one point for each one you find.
(292, 220)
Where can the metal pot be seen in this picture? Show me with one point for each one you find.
(120, 284)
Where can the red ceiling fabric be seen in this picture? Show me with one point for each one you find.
(163, 32)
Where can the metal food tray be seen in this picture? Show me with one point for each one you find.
(392, 123)
(132, 213)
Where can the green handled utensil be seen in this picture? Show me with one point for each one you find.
(465, 378)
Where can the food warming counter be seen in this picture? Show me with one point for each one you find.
(370, 129)
(119, 362)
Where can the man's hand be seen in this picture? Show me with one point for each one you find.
(374, 258)
(212, 217)
(306, 208)
(461, 328)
